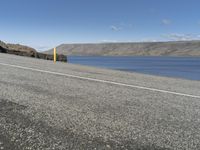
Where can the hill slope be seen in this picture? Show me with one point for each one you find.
(17, 47)
(21, 50)
(181, 48)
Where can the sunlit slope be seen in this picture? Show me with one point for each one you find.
(181, 48)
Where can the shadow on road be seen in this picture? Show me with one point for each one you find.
(18, 132)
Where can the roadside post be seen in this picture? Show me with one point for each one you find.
(54, 55)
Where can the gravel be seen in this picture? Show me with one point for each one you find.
(45, 111)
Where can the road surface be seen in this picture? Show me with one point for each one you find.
(63, 106)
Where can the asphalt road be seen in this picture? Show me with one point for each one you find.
(63, 106)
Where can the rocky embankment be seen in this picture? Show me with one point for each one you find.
(22, 50)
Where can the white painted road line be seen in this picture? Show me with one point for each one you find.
(102, 81)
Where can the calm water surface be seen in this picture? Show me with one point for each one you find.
(181, 67)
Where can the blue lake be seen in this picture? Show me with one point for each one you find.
(181, 67)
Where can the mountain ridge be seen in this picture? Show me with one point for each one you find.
(171, 48)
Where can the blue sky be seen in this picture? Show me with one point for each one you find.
(44, 24)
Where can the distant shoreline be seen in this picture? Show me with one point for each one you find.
(131, 56)
(174, 48)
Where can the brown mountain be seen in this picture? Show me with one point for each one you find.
(178, 48)
(22, 50)
(17, 47)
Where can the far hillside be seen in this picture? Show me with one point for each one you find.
(179, 48)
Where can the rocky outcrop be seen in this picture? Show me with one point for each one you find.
(21, 50)
(60, 57)
(3, 50)
(17, 47)
(17, 52)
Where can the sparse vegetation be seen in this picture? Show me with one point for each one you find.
(181, 48)
(22, 50)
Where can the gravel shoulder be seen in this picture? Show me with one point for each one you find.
(46, 111)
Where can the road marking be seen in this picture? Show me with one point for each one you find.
(102, 81)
